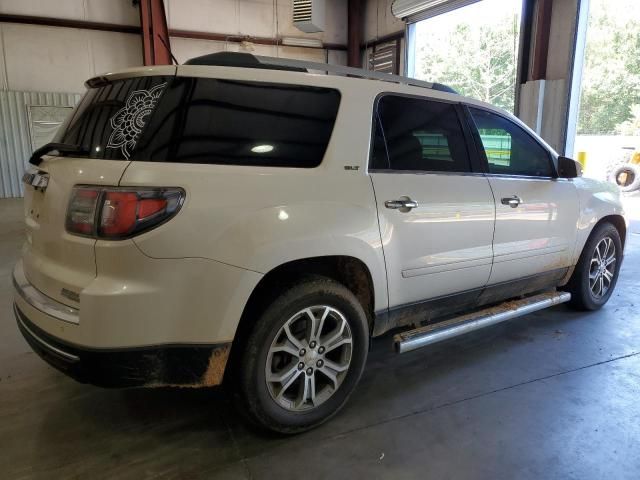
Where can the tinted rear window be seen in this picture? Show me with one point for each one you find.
(202, 120)
(110, 118)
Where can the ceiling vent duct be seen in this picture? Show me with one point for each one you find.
(415, 10)
(308, 15)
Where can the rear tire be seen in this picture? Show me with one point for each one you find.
(304, 356)
(596, 273)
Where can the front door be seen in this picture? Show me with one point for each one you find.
(436, 213)
(536, 213)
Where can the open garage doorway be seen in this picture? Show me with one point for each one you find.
(473, 49)
(608, 122)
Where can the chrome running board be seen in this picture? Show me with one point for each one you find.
(438, 332)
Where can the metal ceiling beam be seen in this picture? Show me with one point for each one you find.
(225, 37)
(68, 23)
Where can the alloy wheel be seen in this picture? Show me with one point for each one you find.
(602, 268)
(309, 358)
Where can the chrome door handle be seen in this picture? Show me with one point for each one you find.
(512, 201)
(403, 204)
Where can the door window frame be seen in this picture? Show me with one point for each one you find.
(481, 150)
(476, 164)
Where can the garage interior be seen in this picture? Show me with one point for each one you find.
(550, 395)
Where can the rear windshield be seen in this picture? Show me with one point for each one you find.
(203, 120)
(110, 118)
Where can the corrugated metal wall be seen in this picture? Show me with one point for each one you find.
(15, 142)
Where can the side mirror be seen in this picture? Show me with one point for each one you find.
(568, 168)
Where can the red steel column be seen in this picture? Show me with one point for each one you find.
(153, 22)
(541, 39)
(354, 33)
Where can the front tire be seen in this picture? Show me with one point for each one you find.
(304, 356)
(596, 273)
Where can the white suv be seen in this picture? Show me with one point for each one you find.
(240, 217)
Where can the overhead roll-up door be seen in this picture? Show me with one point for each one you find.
(416, 10)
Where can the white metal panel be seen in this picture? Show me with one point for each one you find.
(3, 68)
(47, 59)
(119, 12)
(416, 10)
(554, 118)
(532, 104)
(15, 141)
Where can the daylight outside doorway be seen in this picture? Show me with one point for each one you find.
(608, 130)
(473, 49)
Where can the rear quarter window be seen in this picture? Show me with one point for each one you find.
(230, 122)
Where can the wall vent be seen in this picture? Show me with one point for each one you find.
(385, 58)
(308, 15)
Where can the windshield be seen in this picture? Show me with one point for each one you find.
(109, 119)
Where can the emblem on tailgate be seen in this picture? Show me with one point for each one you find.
(71, 295)
(37, 180)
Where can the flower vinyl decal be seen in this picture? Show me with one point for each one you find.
(129, 121)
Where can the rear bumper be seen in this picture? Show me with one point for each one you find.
(139, 322)
(41, 302)
(134, 300)
(167, 365)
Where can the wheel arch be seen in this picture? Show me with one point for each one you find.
(617, 221)
(350, 271)
(574, 282)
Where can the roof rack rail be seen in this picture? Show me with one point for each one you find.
(246, 60)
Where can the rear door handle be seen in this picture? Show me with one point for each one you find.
(512, 201)
(404, 204)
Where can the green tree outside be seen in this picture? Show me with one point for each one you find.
(611, 75)
(478, 58)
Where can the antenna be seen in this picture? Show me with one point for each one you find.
(175, 60)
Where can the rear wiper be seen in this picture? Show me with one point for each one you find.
(36, 157)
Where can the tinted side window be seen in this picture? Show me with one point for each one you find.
(509, 149)
(379, 158)
(421, 135)
(203, 120)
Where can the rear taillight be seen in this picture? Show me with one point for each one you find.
(115, 213)
(81, 213)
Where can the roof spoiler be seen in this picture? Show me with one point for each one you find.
(141, 71)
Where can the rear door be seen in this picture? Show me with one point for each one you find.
(105, 126)
(536, 213)
(436, 212)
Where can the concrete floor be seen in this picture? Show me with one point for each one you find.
(552, 395)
